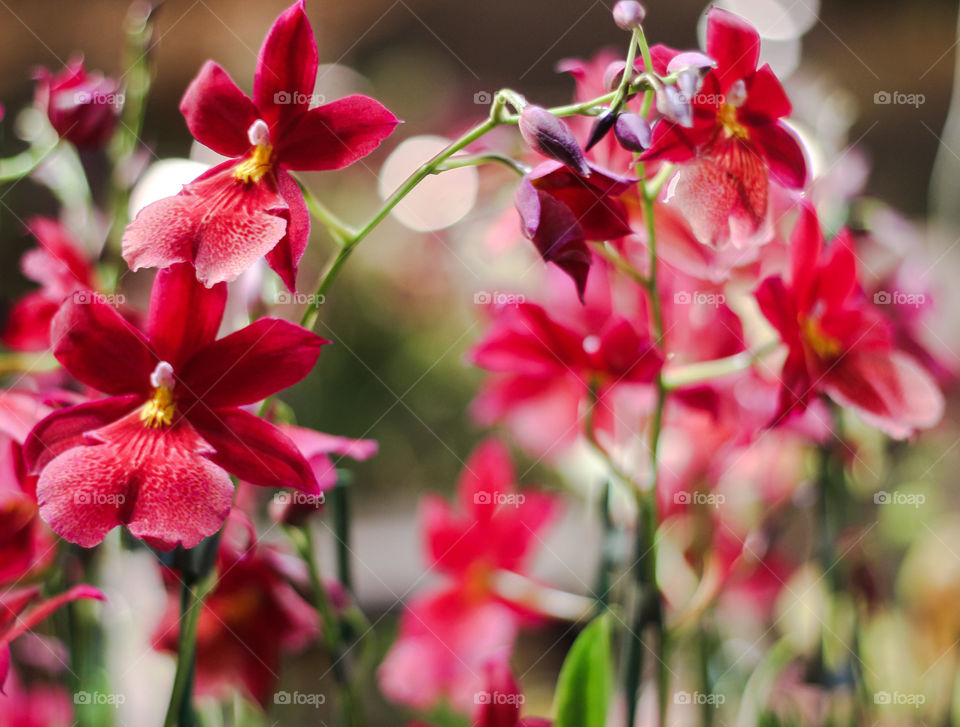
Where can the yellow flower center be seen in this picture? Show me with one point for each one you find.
(256, 166)
(260, 161)
(824, 346)
(159, 411)
(160, 408)
(727, 118)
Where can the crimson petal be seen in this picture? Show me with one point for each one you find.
(734, 44)
(217, 112)
(286, 69)
(783, 153)
(285, 257)
(251, 364)
(159, 482)
(101, 349)
(184, 315)
(65, 429)
(254, 450)
(336, 134)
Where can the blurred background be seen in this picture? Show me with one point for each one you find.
(403, 314)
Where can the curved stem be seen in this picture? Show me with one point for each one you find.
(487, 158)
(20, 165)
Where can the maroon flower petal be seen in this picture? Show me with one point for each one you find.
(254, 450)
(157, 481)
(286, 69)
(806, 244)
(100, 348)
(65, 429)
(217, 112)
(285, 257)
(555, 231)
(220, 224)
(336, 134)
(783, 153)
(734, 44)
(251, 364)
(184, 314)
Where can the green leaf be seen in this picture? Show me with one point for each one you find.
(586, 678)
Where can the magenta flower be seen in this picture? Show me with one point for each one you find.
(736, 141)
(155, 455)
(449, 635)
(250, 206)
(82, 107)
(838, 343)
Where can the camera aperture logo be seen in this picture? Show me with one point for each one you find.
(300, 698)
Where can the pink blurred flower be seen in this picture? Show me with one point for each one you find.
(450, 634)
(838, 343)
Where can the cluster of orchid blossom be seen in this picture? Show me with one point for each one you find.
(695, 337)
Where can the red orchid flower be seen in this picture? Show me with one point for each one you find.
(61, 267)
(155, 454)
(838, 343)
(16, 620)
(82, 107)
(449, 634)
(250, 620)
(544, 370)
(736, 141)
(561, 210)
(250, 206)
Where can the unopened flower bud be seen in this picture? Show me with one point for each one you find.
(674, 106)
(550, 136)
(603, 123)
(628, 14)
(613, 74)
(633, 132)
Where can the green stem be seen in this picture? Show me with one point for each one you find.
(339, 230)
(703, 371)
(349, 244)
(20, 165)
(332, 634)
(180, 710)
(487, 158)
